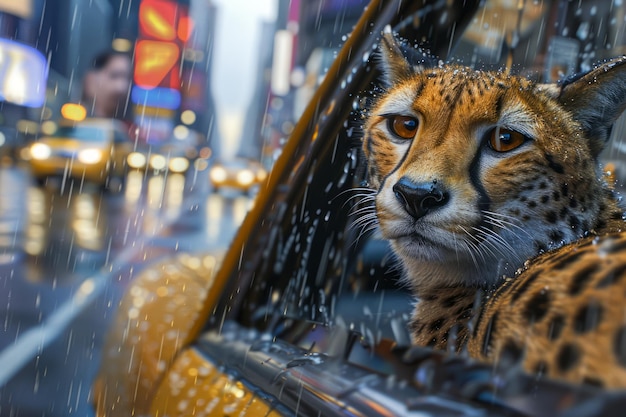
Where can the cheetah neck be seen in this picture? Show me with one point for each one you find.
(444, 311)
(441, 316)
(610, 218)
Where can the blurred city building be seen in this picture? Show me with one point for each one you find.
(308, 34)
(52, 44)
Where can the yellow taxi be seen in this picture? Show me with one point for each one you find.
(94, 150)
(240, 173)
(302, 315)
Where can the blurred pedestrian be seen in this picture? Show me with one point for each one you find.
(106, 85)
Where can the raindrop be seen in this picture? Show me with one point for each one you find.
(583, 31)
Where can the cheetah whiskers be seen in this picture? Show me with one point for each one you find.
(472, 248)
(366, 220)
(359, 192)
(504, 222)
(485, 243)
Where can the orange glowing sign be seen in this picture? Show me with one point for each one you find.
(164, 28)
(154, 62)
(157, 19)
(73, 111)
(185, 26)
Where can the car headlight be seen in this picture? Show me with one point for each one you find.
(90, 156)
(179, 164)
(245, 177)
(218, 174)
(136, 160)
(158, 162)
(40, 151)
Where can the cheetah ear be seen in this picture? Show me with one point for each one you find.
(395, 67)
(400, 61)
(596, 99)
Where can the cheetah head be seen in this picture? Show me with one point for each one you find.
(476, 172)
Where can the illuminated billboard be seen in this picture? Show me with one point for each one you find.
(164, 27)
(23, 74)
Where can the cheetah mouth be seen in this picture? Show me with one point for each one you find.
(434, 242)
(422, 244)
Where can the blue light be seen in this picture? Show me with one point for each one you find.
(164, 98)
(23, 74)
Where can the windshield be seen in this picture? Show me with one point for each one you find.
(81, 133)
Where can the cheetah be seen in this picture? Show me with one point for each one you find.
(487, 186)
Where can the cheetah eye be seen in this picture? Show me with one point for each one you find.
(402, 126)
(505, 140)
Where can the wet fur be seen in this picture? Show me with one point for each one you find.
(544, 197)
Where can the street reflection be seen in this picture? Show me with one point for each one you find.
(220, 208)
(87, 224)
(134, 185)
(12, 214)
(66, 235)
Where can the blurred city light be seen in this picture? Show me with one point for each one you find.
(73, 111)
(23, 74)
(40, 151)
(181, 132)
(179, 164)
(136, 160)
(281, 67)
(90, 156)
(48, 127)
(188, 117)
(121, 45)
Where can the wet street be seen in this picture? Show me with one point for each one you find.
(66, 255)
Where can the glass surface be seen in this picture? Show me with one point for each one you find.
(81, 133)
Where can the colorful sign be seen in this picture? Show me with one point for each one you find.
(23, 74)
(164, 27)
(155, 62)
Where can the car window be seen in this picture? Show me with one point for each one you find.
(82, 133)
(316, 263)
(119, 137)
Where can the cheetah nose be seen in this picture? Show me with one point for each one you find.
(421, 197)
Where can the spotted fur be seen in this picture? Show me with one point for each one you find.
(465, 219)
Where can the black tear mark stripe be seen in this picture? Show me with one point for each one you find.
(484, 202)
